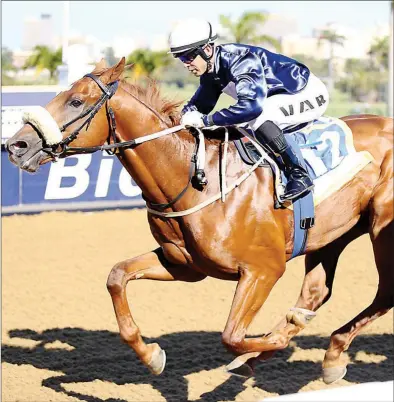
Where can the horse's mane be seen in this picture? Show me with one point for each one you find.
(151, 95)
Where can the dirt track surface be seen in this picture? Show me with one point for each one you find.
(60, 338)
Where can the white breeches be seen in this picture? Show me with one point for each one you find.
(287, 110)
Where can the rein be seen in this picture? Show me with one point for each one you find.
(108, 92)
(196, 162)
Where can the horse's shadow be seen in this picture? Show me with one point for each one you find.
(100, 355)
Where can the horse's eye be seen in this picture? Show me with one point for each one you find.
(76, 103)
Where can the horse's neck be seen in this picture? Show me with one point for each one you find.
(160, 166)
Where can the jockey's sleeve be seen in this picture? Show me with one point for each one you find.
(205, 98)
(247, 72)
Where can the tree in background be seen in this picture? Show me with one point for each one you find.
(176, 73)
(379, 65)
(356, 82)
(6, 66)
(44, 58)
(379, 53)
(333, 39)
(246, 29)
(147, 62)
(366, 79)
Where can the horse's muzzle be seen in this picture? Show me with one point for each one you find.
(25, 151)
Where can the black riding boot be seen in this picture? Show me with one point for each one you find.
(298, 180)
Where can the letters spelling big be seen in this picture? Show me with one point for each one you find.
(72, 181)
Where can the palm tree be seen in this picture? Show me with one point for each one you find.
(379, 53)
(333, 39)
(246, 29)
(147, 62)
(42, 58)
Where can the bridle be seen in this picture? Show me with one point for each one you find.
(62, 149)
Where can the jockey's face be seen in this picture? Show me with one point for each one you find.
(194, 62)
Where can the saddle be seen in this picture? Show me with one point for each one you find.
(248, 152)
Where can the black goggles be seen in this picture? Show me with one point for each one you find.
(189, 56)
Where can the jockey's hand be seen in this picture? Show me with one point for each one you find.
(193, 119)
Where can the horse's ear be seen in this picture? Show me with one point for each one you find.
(113, 73)
(100, 66)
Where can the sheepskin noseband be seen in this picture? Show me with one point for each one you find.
(42, 120)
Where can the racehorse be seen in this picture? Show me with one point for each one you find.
(244, 239)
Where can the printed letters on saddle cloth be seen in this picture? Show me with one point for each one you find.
(327, 147)
(324, 143)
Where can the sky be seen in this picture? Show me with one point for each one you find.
(107, 19)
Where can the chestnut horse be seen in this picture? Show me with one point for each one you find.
(243, 239)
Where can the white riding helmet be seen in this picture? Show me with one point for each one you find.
(189, 34)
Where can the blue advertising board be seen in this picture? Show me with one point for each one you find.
(77, 182)
(27, 98)
(85, 182)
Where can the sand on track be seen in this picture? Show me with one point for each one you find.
(60, 338)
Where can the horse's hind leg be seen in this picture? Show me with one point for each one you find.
(316, 290)
(152, 265)
(382, 236)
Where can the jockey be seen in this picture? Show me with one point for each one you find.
(273, 92)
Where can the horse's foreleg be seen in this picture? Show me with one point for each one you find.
(252, 290)
(314, 291)
(152, 265)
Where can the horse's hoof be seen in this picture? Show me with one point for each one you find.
(158, 361)
(244, 371)
(240, 367)
(333, 374)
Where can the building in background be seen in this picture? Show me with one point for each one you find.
(352, 47)
(83, 52)
(356, 44)
(93, 47)
(124, 45)
(19, 58)
(38, 31)
(276, 26)
(279, 26)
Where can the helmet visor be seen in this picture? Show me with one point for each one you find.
(188, 56)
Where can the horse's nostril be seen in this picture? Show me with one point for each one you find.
(19, 145)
